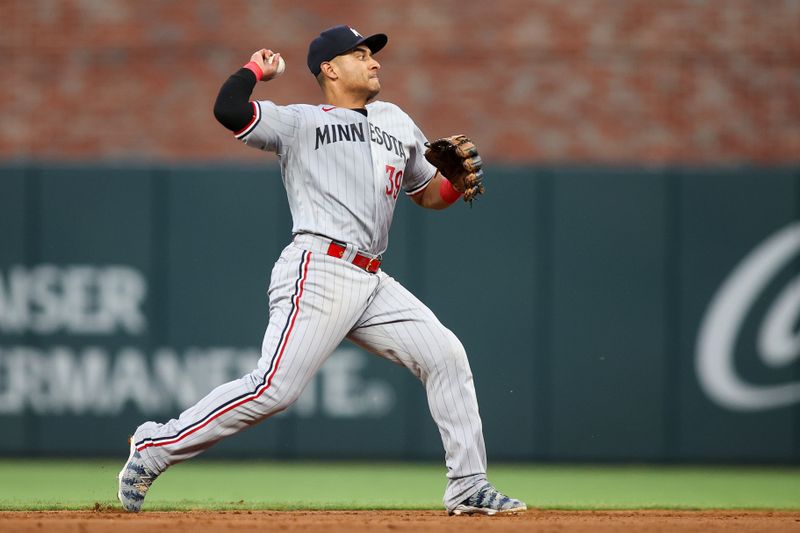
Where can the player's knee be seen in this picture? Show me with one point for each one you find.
(277, 397)
(453, 351)
(286, 399)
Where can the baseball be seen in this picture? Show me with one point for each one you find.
(281, 64)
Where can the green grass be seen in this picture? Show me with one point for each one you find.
(79, 484)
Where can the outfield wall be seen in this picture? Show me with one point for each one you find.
(625, 314)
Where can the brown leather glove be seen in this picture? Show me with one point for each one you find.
(457, 159)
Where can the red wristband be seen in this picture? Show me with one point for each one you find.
(255, 69)
(447, 192)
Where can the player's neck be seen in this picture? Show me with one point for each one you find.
(347, 100)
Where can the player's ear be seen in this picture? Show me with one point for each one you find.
(328, 69)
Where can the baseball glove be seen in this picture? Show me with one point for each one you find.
(457, 159)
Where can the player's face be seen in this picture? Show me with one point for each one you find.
(359, 72)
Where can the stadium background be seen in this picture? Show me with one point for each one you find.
(639, 154)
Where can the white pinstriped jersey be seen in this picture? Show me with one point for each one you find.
(342, 170)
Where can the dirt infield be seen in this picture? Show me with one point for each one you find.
(410, 521)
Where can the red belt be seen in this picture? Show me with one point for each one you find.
(370, 264)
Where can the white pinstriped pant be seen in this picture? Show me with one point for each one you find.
(315, 302)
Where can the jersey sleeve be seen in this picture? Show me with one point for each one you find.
(419, 172)
(271, 128)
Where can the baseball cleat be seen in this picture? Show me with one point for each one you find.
(134, 481)
(489, 501)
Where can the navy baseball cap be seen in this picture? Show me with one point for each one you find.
(338, 40)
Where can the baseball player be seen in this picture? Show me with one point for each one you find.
(344, 165)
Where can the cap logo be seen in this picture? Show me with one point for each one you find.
(356, 33)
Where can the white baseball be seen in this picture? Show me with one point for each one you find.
(281, 64)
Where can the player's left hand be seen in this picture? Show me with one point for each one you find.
(457, 159)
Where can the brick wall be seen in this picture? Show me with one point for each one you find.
(545, 81)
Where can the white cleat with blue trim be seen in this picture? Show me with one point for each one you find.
(134, 481)
(488, 501)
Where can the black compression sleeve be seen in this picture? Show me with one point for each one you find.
(232, 108)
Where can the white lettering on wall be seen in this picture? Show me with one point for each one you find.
(92, 379)
(778, 343)
(76, 299)
(62, 380)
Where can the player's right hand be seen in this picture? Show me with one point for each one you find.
(261, 58)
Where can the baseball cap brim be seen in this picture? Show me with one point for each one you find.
(374, 42)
